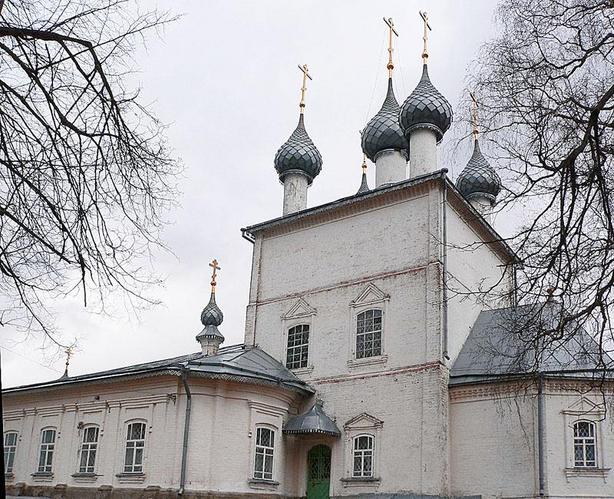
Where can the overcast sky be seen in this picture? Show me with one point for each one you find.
(225, 78)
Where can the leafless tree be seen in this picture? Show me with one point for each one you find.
(85, 175)
(546, 92)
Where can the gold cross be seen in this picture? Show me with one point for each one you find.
(68, 353)
(215, 268)
(474, 116)
(425, 37)
(306, 75)
(364, 163)
(391, 31)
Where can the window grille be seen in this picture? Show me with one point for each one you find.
(265, 444)
(369, 334)
(135, 446)
(584, 444)
(363, 457)
(10, 446)
(89, 446)
(298, 347)
(47, 447)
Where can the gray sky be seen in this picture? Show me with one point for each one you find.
(225, 78)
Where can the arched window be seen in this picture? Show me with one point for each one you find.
(264, 453)
(298, 347)
(363, 456)
(585, 449)
(89, 448)
(135, 446)
(369, 334)
(10, 446)
(46, 450)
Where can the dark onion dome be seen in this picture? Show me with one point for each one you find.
(426, 108)
(298, 155)
(478, 178)
(211, 317)
(383, 130)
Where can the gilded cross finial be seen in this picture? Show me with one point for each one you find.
(474, 116)
(306, 75)
(425, 36)
(364, 163)
(391, 31)
(215, 267)
(68, 353)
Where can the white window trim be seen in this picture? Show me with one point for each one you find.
(124, 446)
(301, 313)
(83, 444)
(9, 472)
(265, 483)
(371, 437)
(45, 471)
(309, 331)
(371, 298)
(594, 414)
(362, 425)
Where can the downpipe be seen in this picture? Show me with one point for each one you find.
(540, 435)
(186, 431)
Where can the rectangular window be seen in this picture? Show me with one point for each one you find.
(135, 445)
(10, 446)
(265, 443)
(45, 456)
(369, 334)
(363, 457)
(298, 347)
(585, 455)
(89, 446)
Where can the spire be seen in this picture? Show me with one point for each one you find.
(68, 352)
(364, 186)
(211, 317)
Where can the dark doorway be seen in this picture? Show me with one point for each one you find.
(318, 472)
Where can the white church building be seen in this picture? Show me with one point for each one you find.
(371, 366)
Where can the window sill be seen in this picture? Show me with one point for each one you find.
(8, 477)
(360, 481)
(367, 361)
(587, 472)
(262, 484)
(42, 476)
(302, 370)
(85, 477)
(130, 477)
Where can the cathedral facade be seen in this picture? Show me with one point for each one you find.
(375, 367)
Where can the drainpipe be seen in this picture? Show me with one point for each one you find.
(186, 430)
(444, 278)
(540, 435)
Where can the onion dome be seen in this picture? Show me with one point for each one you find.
(426, 108)
(298, 155)
(211, 317)
(478, 178)
(383, 130)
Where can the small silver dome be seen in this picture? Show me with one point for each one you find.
(211, 314)
(383, 131)
(299, 155)
(478, 178)
(426, 108)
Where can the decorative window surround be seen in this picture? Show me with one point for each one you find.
(360, 481)
(301, 313)
(587, 473)
(42, 476)
(371, 298)
(362, 425)
(262, 484)
(85, 477)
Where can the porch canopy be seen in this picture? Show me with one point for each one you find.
(314, 420)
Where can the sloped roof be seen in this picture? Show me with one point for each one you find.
(315, 420)
(240, 363)
(502, 343)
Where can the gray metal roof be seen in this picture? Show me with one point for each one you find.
(240, 363)
(502, 343)
(426, 108)
(298, 154)
(314, 420)
(478, 177)
(383, 131)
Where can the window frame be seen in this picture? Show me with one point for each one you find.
(365, 333)
(48, 448)
(300, 346)
(270, 455)
(90, 448)
(10, 451)
(132, 444)
(366, 452)
(585, 443)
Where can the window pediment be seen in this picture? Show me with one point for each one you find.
(363, 421)
(371, 294)
(584, 406)
(300, 309)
